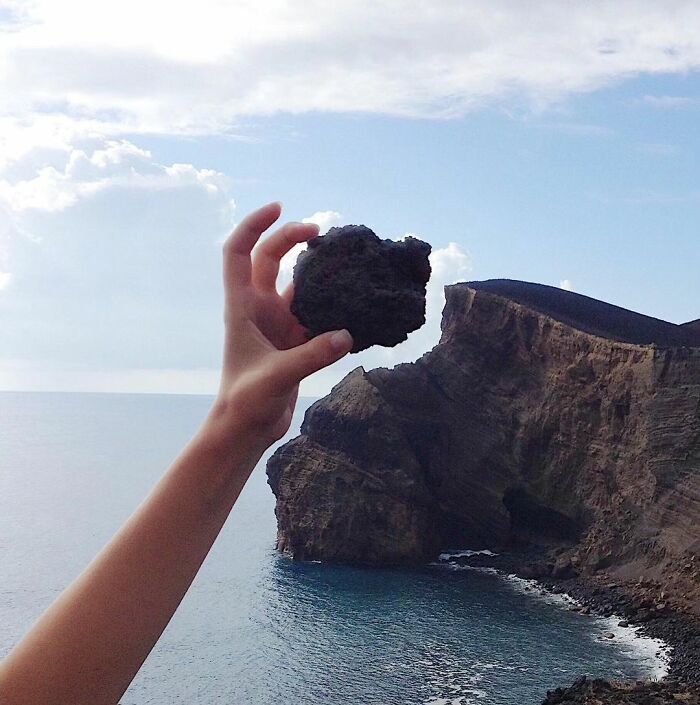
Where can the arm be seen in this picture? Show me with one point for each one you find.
(88, 646)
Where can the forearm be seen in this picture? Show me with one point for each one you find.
(94, 638)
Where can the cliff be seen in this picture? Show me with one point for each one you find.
(543, 419)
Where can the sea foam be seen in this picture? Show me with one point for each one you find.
(654, 654)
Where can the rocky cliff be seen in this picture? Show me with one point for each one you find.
(542, 419)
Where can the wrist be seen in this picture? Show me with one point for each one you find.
(223, 459)
(226, 429)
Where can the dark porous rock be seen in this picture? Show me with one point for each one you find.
(349, 278)
(599, 692)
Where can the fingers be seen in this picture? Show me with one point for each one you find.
(238, 246)
(266, 261)
(295, 364)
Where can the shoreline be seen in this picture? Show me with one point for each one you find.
(653, 652)
(650, 651)
(667, 639)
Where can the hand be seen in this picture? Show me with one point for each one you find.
(266, 352)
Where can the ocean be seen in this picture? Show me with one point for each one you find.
(255, 627)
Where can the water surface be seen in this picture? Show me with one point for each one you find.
(256, 628)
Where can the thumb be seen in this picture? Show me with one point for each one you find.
(295, 364)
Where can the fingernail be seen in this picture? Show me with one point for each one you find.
(341, 341)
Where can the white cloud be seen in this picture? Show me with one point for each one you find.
(448, 264)
(177, 68)
(140, 252)
(85, 173)
(566, 285)
(324, 219)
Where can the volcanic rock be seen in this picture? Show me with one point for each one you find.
(597, 691)
(349, 278)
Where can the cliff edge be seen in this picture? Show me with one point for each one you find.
(543, 420)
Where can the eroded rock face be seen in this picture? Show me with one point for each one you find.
(541, 418)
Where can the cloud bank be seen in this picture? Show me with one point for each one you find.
(177, 68)
(115, 164)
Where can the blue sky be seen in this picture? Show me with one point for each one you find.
(570, 161)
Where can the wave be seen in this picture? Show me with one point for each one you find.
(465, 553)
(654, 654)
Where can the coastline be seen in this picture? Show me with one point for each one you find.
(654, 653)
(666, 640)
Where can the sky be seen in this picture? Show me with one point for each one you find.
(547, 141)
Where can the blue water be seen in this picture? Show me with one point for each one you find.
(256, 628)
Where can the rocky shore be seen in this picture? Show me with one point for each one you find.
(598, 691)
(544, 425)
(643, 604)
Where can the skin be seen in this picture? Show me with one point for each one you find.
(90, 643)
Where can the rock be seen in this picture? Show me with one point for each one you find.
(564, 568)
(643, 615)
(623, 623)
(601, 692)
(527, 572)
(542, 418)
(349, 278)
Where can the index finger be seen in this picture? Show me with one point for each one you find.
(266, 260)
(240, 243)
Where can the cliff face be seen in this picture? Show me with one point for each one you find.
(541, 418)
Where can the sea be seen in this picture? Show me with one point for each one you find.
(256, 627)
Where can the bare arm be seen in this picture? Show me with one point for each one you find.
(88, 646)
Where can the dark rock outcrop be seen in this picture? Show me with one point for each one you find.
(542, 418)
(694, 325)
(349, 278)
(594, 692)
